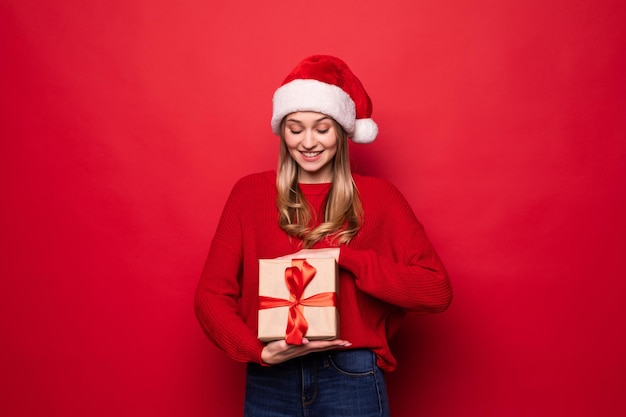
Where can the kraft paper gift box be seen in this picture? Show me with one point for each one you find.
(286, 286)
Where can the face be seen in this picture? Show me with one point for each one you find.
(311, 140)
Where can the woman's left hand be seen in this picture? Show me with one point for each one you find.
(314, 254)
(280, 351)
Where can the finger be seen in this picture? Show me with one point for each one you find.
(325, 345)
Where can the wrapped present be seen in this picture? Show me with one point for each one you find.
(298, 298)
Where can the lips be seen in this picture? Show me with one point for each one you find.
(311, 154)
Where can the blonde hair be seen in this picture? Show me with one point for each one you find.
(343, 211)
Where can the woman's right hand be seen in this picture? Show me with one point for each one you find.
(279, 351)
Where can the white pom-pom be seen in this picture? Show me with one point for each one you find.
(365, 131)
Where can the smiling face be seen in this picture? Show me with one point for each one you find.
(311, 139)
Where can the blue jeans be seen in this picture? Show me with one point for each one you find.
(345, 383)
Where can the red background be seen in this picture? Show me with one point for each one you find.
(125, 123)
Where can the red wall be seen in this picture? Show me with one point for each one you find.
(125, 123)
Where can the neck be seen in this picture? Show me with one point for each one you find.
(304, 178)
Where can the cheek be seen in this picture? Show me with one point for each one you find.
(331, 147)
(289, 144)
(293, 153)
(290, 140)
(332, 152)
(291, 149)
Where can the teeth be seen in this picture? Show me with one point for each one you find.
(310, 154)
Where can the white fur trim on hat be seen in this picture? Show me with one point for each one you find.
(314, 95)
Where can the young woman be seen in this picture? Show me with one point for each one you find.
(315, 207)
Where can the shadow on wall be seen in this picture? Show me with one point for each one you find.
(425, 353)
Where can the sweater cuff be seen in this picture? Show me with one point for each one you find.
(259, 360)
(351, 259)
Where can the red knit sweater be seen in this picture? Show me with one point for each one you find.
(389, 268)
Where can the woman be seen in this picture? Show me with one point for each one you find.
(315, 207)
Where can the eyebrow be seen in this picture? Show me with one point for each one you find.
(300, 122)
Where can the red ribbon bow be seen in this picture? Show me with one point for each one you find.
(297, 277)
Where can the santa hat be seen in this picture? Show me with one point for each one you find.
(325, 84)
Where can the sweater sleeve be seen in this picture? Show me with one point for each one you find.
(218, 291)
(399, 265)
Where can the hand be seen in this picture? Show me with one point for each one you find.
(314, 254)
(279, 351)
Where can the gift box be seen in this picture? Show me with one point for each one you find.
(298, 298)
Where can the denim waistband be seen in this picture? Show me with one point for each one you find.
(344, 382)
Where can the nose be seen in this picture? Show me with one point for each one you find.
(309, 141)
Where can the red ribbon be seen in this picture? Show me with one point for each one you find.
(297, 277)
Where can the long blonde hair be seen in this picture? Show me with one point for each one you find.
(343, 211)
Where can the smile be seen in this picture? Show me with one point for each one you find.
(311, 154)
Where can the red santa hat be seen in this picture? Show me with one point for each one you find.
(325, 84)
